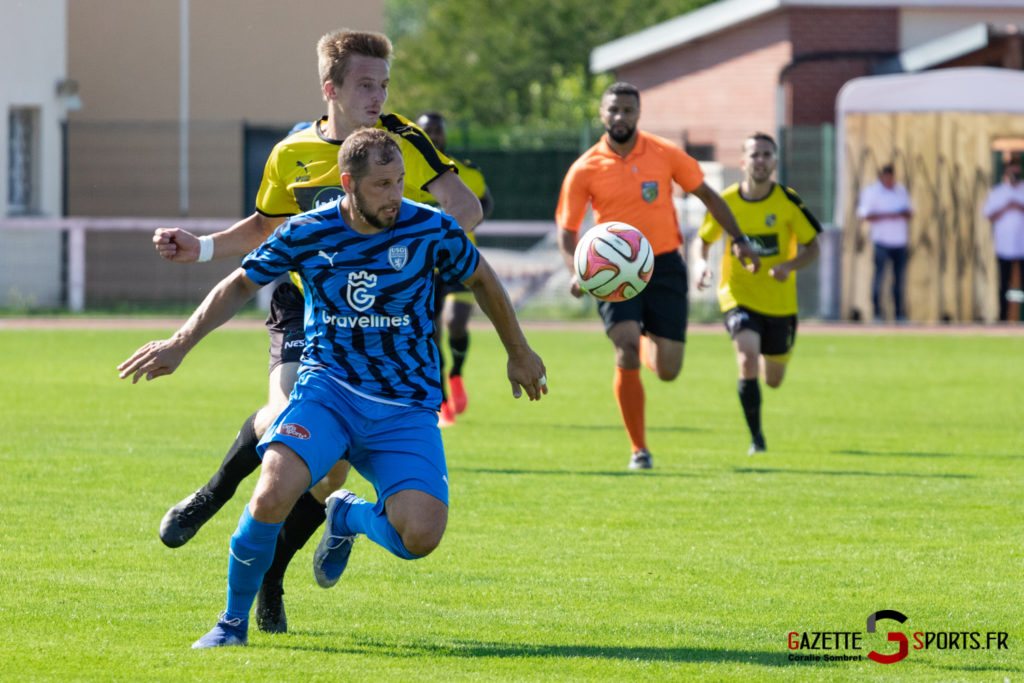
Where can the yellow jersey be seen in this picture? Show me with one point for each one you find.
(301, 172)
(774, 225)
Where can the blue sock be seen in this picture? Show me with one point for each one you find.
(362, 519)
(252, 552)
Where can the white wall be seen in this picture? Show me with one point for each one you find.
(33, 58)
(920, 24)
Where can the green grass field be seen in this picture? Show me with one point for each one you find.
(893, 481)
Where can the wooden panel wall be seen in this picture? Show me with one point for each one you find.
(945, 159)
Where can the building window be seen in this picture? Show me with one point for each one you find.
(23, 161)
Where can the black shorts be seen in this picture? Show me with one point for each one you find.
(285, 325)
(662, 307)
(778, 332)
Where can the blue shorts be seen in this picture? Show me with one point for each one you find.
(394, 447)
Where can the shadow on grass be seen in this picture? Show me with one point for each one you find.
(575, 473)
(842, 473)
(978, 669)
(907, 454)
(897, 455)
(473, 648)
(607, 427)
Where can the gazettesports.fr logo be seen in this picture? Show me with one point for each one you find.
(846, 646)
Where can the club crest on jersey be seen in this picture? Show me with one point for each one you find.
(649, 190)
(356, 292)
(769, 220)
(398, 256)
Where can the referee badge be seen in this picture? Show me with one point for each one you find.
(398, 256)
(649, 190)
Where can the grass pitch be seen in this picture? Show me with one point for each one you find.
(892, 481)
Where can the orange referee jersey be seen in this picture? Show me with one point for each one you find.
(636, 189)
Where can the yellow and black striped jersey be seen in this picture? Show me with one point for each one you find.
(774, 225)
(302, 170)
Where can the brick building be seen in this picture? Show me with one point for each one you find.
(711, 76)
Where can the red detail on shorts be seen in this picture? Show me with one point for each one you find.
(292, 429)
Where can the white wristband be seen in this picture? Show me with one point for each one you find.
(205, 249)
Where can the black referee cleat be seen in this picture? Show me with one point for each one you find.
(270, 616)
(757, 445)
(183, 520)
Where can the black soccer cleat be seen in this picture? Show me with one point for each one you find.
(757, 445)
(183, 520)
(270, 616)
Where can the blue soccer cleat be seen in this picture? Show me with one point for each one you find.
(226, 633)
(331, 554)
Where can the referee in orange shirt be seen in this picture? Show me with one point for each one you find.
(627, 176)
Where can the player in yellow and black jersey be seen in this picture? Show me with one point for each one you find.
(454, 301)
(761, 308)
(301, 173)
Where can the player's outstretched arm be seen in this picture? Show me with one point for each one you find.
(456, 200)
(158, 358)
(525, 368)
(181, 246)
(721, 212)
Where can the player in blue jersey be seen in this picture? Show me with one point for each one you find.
(369, 385)
(301, 173)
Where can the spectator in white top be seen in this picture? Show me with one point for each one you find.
(1005, 208)
(886, 206)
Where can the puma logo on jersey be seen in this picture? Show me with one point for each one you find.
(330, 258)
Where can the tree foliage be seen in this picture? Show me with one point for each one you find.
(511, 65)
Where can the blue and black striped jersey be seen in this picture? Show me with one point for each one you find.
(369, 298)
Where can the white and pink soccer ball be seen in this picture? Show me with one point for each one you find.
(614, 261)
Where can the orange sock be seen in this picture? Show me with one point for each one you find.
(629, 392)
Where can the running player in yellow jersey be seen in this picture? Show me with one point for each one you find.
(761, 308)
(455, 301)
(301, 174)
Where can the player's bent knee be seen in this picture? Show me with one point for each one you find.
(270, 505)
(421, 540)
(419, 518)
(670, 372)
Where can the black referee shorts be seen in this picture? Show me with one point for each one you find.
(662, 307)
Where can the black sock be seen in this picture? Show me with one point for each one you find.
(458, 347)
(239, 463)
(750, 399)
(301, 523)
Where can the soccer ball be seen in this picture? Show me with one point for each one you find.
(614, 261)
